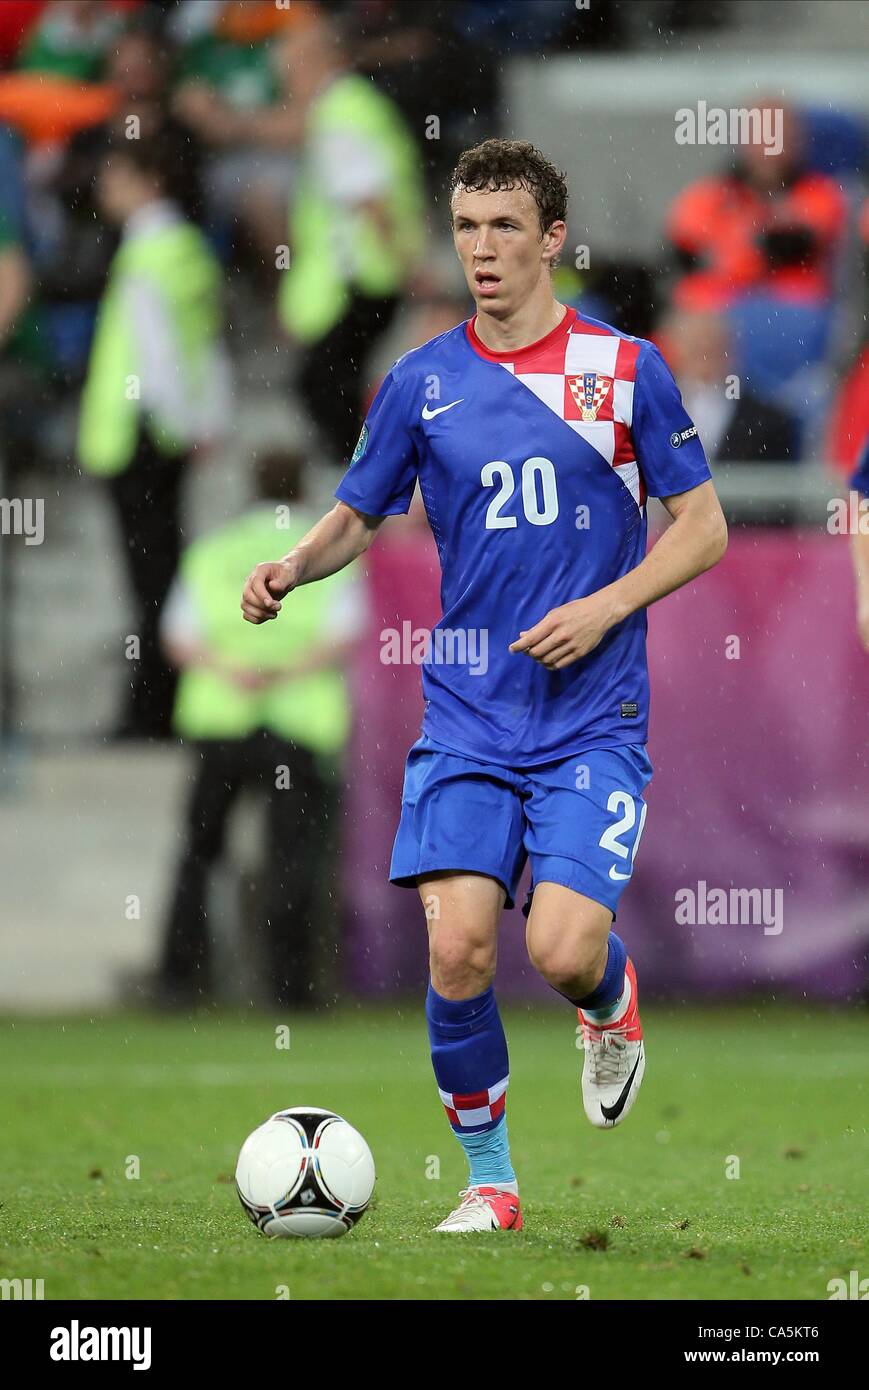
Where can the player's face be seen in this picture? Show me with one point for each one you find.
(499, 243)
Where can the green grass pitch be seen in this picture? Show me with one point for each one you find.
(645, 1211)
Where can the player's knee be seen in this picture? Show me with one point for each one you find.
(568, 965)
(462, 962)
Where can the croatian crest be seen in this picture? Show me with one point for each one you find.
(589, 391)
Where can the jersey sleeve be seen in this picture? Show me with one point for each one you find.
(667, 445)
(860, 479)
(382, 473)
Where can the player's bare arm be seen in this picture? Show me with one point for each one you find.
(696, 540)
(338, 539)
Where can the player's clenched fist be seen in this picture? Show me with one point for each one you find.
(265, 587)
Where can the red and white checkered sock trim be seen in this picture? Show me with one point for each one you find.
(477, 1108)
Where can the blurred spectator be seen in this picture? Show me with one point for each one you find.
(435, 57)
(357, 228)
(157, 388)
(63, 71)
(138, 71)
(768, 224)
(71, 38)
(57, 87)
(734, 428)
(232, 93)
(76, 242)
(225, 44)
(263, 708)
(356, 233)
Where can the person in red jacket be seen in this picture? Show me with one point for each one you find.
(768, 223)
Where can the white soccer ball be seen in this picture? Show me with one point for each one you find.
(305, 1172)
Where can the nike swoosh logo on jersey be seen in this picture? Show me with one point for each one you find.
(614, 873)
(430, 414)
(612, 1112)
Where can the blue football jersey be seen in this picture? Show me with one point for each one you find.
(534, 467)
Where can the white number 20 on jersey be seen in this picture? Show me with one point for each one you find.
(541, 508)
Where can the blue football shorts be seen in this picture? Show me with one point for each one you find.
(578, 820)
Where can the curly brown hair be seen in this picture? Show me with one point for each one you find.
(497, 164)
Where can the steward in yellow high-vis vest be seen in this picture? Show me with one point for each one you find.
(170, 259)
(337, 245)
(269, 715)
(249, 681)
(357, 229)
(157, 386)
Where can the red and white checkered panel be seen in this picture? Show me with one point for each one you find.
(478, 1108)
(556, 375)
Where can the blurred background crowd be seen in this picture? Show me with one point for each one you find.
(220, 222)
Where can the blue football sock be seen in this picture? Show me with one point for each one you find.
(469, 1057)
(605, 1001)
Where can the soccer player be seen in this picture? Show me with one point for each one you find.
(536, 435)
(860, 546)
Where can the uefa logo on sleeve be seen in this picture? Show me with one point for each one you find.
(361, 445)
(677, 438)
